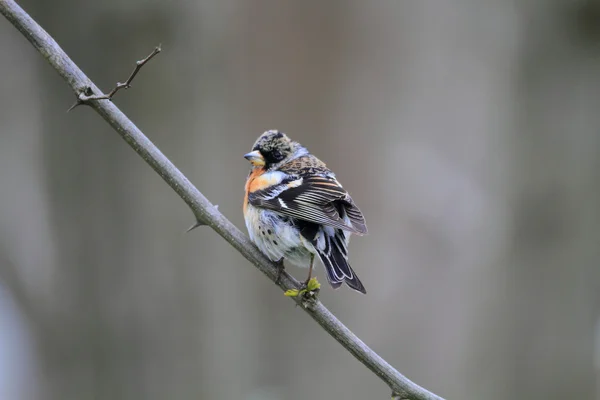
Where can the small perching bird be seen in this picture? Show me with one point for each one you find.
(295, 208)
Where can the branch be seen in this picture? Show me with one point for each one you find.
(204, 211)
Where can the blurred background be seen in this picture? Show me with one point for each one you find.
(468, 132)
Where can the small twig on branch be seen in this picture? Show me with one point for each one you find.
(83, 97)
(203, 209)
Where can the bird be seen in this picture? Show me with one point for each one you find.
(296, 209)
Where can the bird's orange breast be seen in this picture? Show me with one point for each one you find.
(253, 183)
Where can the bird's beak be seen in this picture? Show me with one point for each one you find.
(255, 158)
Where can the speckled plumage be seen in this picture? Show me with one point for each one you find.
(295, 208)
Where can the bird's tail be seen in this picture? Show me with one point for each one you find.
(338, 269)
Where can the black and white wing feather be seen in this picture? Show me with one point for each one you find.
(314, 198)
(333, 252)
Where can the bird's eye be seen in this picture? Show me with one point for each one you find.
(273, 156)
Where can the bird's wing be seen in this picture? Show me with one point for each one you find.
(314, 198)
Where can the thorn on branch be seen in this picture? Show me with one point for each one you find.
(196, 225)
(398, 396)
(199, 223)
(87, 94)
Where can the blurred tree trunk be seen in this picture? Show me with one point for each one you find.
(556, 220)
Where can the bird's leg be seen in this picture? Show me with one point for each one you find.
(280, 269)
(311, 286)
(310, 268)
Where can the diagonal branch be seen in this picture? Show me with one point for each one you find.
(204, 211)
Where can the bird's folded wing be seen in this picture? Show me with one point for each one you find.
(316, 199)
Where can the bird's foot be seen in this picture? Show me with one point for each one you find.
(308, 291)
(280, 269)
(313, 287)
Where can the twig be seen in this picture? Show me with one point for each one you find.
(85, 96)
(203, 210)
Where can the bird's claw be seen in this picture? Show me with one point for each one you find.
(308, 291)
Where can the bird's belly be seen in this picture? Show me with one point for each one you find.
(276, 237)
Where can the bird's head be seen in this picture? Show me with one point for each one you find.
(273, 148)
